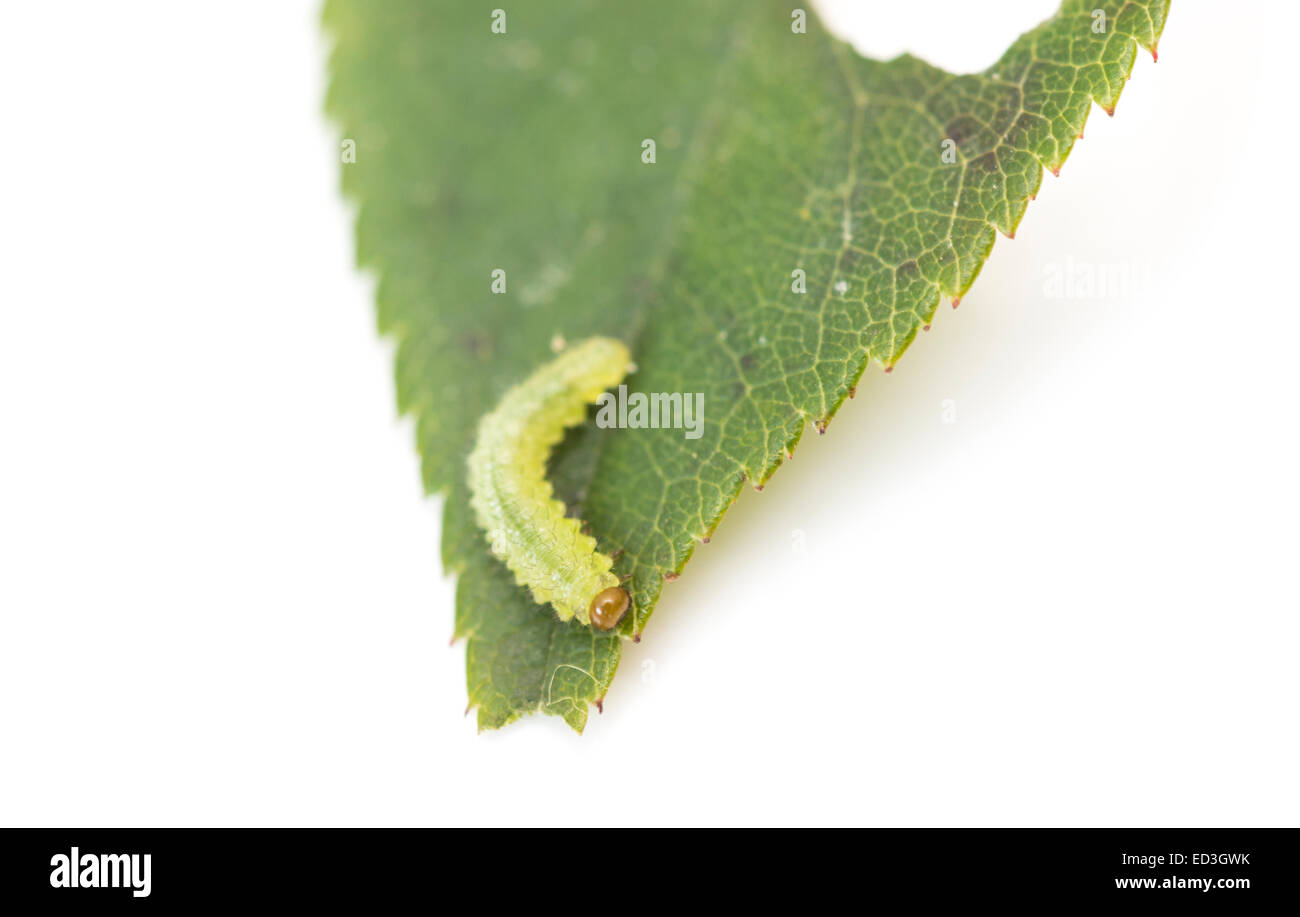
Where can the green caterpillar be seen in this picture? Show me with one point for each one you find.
(513, 502)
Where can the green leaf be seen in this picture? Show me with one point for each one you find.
(775, 152)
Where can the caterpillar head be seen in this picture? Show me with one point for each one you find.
(608, 608)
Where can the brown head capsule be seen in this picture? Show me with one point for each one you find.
(608, 607)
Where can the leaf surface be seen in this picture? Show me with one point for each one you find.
(775, 152)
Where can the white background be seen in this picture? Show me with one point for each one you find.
(221, 598)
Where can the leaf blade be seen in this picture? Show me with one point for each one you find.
(799, 155)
